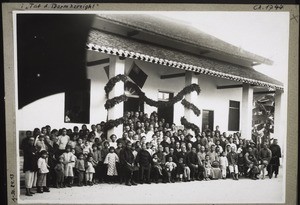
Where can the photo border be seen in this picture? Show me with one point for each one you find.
(10, 77)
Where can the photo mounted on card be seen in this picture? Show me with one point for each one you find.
(109, 104)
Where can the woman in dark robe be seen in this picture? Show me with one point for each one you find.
(30, 165)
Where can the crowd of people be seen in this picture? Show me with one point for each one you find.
(149, 151)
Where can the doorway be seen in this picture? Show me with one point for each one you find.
(208, 119)
(133, 104)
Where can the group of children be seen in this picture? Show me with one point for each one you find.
(162, 152)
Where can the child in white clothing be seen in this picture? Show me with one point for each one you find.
(111, 160)
(69, 162)
(89, 170)
(223, 164)
(170, 168)
(42, 172)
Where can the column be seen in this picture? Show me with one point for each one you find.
(278, 116)
(116, 67)
(192, 97)
(246, 112)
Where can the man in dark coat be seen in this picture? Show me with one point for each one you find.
(25, 141)
(193, 163)
(173, 155)
(30, 164)
(274, 162)
(127, 163)
(144, 161)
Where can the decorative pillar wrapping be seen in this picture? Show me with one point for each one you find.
(246, 114)
(190, 78)
(116, 67)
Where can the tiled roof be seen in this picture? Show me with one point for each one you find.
(122, 46)
(181, 32)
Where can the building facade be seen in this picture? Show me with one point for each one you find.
(160, 57)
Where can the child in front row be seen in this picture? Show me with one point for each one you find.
(42, 172)
(69, 160)
(89, 170)
(170, 168)
(207, 168)
(80, 168)
(183, 171)
(60, 172)
(111, 160)
(223, 164)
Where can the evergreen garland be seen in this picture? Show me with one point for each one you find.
(113, 123)
(191, 106)
(112, 82)
(159, 104)
(116, 100)
(189, 125)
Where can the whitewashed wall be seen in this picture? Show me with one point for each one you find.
(50, 110)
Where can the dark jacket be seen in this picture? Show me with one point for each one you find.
(182, 155)
(126, 156)
(276, 154)
(144, 158)
(30, 158)
(192, 158)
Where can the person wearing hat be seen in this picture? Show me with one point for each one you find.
(274, 162)
(42, 172)
(30, 164)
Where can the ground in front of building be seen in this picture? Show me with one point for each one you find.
(214, 191)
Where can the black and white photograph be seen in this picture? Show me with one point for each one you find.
(150, 107)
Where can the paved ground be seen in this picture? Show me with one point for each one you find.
(214, 191)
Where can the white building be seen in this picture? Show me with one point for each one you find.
(163, 57)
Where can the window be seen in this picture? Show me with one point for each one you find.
(166, 112)
(77, 105)
(234, 116)
(164, 96)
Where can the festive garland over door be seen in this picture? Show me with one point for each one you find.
(159, 104)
